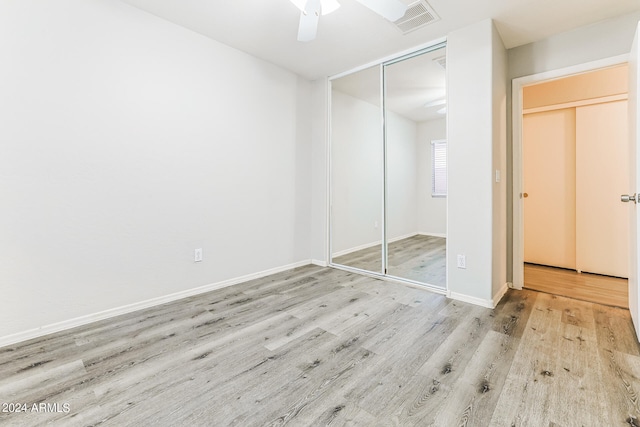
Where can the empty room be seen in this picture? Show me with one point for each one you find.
(319, 212)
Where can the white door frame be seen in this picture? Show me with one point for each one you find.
(634, 120)
(517, 165)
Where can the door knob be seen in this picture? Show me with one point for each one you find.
(627, 198)
(525, 195)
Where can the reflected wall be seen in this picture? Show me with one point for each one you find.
(357, 171)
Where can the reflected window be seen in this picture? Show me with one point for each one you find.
(439, 168)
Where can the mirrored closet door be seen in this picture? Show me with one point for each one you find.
(357, 171)
(386, 217)
(415, 106)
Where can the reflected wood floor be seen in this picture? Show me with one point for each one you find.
(420, 258)
(320, 346)
(583, 286)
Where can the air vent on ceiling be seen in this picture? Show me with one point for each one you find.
(417, 16)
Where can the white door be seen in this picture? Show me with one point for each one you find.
(634, 124)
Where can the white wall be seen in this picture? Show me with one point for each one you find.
(402, 176)
(126, 143)
(356, 168)
(600, 40)
(432, 211)
(473, 138)
(356, 153)
(499, 121)
(319, 185)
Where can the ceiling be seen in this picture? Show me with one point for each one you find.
(354, 35)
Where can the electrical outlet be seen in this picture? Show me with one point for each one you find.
(197, 255)
(462, 261)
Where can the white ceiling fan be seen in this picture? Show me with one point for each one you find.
(310, 11)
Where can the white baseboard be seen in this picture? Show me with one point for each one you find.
(488, 303)
(113, 312)
(498, 296)
(471, 300)
(379, 242)
(354, 249)
(424, 233)
(405, 236)
(319, 263)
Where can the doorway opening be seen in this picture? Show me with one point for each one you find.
(570, 166)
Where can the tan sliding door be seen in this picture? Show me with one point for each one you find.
(602, 174)
(575, 168)
(550, 183)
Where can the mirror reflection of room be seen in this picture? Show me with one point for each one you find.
(412, 152)
(357, 173)
(415, 113)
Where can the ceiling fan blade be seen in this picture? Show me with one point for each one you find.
(329, 6)
(309, 21)
(391, 10)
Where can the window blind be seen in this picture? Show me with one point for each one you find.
(438, 168)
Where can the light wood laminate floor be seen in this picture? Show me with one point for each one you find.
(583, 286)
(320, 346)
(420, 258)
